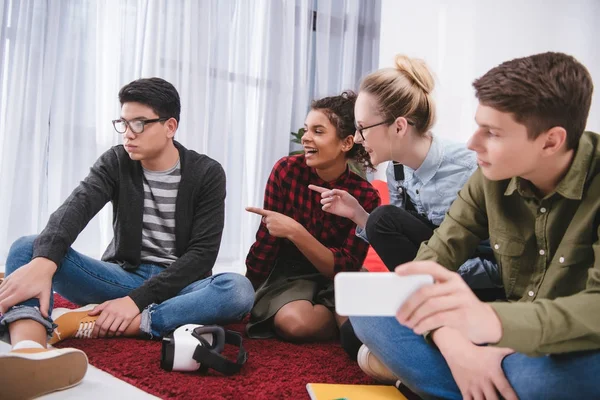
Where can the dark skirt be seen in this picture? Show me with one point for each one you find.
(288, 281)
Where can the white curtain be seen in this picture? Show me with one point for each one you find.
(245, 71)
(345, 30)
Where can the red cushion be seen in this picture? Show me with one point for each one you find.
(382, 188)
(373, 263)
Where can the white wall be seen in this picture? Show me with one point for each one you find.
(462, 39)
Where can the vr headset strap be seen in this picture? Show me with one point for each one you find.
(208, 358)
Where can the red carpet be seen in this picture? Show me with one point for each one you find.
(275, 369)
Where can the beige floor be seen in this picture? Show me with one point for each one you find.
(97, 384)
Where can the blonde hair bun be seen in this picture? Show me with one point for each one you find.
(416, 70)
(403, 91)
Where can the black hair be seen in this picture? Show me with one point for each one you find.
(156, 93)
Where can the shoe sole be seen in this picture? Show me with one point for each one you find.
(363, 362)
(27, 377)
(362, 357)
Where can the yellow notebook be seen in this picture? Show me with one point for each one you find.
(328, 391)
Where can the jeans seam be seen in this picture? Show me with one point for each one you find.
(80, 266)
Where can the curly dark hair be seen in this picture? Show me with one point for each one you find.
(340, 112)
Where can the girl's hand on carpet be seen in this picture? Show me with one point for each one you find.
(279, 225)
(115, 317)
(32, 280)
(449, 302)
(478, 370)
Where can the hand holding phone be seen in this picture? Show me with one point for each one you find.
(377, 294)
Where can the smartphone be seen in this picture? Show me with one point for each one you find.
(378, 294)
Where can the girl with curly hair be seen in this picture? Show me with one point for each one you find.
(299, 247)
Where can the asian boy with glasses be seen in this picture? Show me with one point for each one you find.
(155, 275)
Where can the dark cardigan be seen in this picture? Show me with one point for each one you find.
(115, 177)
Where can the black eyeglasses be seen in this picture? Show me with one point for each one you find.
(136, 126)
(389, 121)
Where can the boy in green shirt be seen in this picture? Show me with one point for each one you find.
(536, 196)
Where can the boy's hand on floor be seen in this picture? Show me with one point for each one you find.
(32, 280)
(477, 370)
(115, 317)
(449, 302)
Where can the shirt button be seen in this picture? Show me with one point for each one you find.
(543, 210)
(417, 191)
(496, 246)
(400, 190)
(542, 252)
(531, 293)
(561, 260)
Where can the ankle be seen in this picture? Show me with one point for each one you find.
(28, 329)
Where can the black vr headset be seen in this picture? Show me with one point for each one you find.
(194, 347)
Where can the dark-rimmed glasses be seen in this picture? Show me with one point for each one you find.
(389, 121)
(136, 126)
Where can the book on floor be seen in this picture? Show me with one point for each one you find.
(329, 391)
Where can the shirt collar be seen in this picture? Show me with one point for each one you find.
(432, 162)
(522, 186)
(339, 181)
(572, 184)
(512, 186)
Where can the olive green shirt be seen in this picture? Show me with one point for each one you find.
(547, 250)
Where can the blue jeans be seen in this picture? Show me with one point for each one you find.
(218, 299)
(423, 369)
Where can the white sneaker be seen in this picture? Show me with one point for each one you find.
(29, 373)
(373, 367)
(72, 323)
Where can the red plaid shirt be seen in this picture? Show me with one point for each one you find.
(287, 192)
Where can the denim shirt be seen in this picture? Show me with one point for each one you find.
(432, 188)
(435, 184)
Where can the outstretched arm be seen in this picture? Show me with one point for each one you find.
(282, 226)
(34, 280)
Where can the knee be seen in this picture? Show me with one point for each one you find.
(21, 248)
(380, 214)
(292, 326)
(384, 210)
(24, 243)
(369, 330)
(238, 291)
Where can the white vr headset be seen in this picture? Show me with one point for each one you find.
(194, 347)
